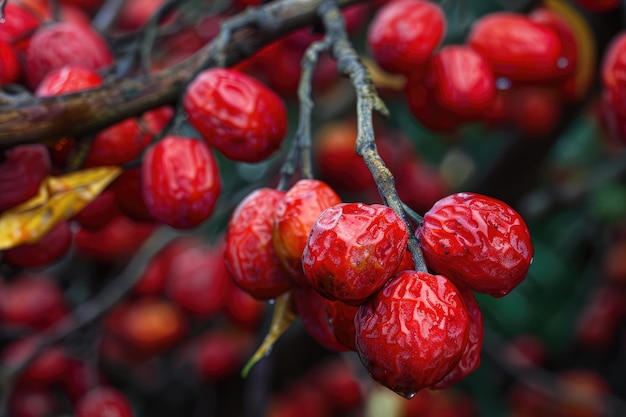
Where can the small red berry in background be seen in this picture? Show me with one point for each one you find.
(405, 33)
(50, 248)
(68, 79)
(250, 256)
(235, 113)
(32, 402)
(18, 26)
(352, 250)
(47, 368)
(103, 402)
(64, 43)
(21, 174)
(476, 241)
(180, 181)
(129, 197)
(412, 333)
(10, 69)
(518, 48)
(294, 217)
(341, 320)
(599, 5)
(99, 212)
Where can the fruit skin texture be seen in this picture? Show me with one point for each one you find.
(517, 48)
(181, 181)
(412, 332)
(476, 241)
(64, 43)
(103, 402)
(293, 220)
(235, 113)
(352, 250)
(405, 33)
(250, 256)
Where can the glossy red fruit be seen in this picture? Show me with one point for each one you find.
(50, 248)
(413, 332)
(103, 401)
(613, 74)
(518, 48)
(477, 241)
(250, 256)
(311, 308)
(48, 368)
(470, 359)
(64, 43)
(599, 5)
(21, 174)
(99, 212)
(68, 79)
(180, 181)
(405, 33)
(32, 301)
(294, 218)
(117, 144)
(18, 26)
(129, 198)
(341, 320)
(10, 69)
(235, 113)
(462, 81)
(198, 281)
(352, 250)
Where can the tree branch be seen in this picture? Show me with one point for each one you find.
(74, 115)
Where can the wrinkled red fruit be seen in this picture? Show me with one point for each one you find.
(413, 332)
(64, 43)
(476, 241)
(250, 256)
(117, 144)
(181, 181)
(341, 320)
(404, 34)
(21, 174)
(103, 402)
(311, 308)
(294, 217)
(352, 250)
(50, 248)
(470, 359)
(198, 281)
(68, 79)
(235, 113)
(518, 48)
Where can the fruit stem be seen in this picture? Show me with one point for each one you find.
(349, 63)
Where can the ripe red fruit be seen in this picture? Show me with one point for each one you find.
(477, 241)
(250, 256)
(218, 354)
(63, 43)
(47, 368)
(535, 110)
(613, 73)
(518, 48)
(404, 34)
(50, 248)
(31, 301)
(103, 401)
(180, 181)
(341, 320)
(68, 79)
(462, 81)
(294, 217)
(235, 113)
(470, 359)
(21, 174)
(32, 401)
(10, 69)
(352, 250)
(129, 198)
(117, 144)
(18, 25)
(243, 310)
(99, 212)
(198, 281)
(412, 332)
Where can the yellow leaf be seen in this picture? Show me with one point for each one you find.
(59, 198)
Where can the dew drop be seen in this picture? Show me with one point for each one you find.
(406, 394)
(562, 63)
(503, 83)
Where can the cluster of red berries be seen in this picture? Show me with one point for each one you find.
(355, 284)
(514, 68)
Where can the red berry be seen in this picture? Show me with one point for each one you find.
(311, 308)
(250, 256)
(470, 359)
(47, 368)
(413, 332)
(117, 144)
(63, 43)
(613, 73)
(50, 248)
(32, 401)
(218, 354)
(419, 184)
(18, 25)
(518, 48)
(235, 113)
(243, 310)
(129, 198)
(10, 69)
(294, 217)
(352, 250)
(21, 174)
(462, 81)
(405, 33)
(103, 402)
(68, 79)
(341, 320)
(198, 281)
(99, 212)
(181, 181)
(477, 241)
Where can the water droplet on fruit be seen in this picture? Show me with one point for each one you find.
(503, 83)
(406, 394)
(562, 62)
